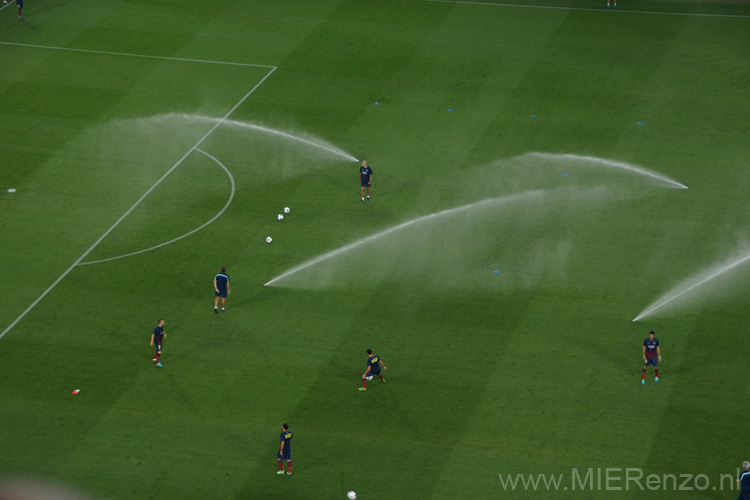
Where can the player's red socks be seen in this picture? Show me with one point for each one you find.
(643, 374)
(289, 465)
(364, 383)
(656, 373)
(158, 357)
(281, 466)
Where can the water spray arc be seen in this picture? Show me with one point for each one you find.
(316, 143)
(672, 296)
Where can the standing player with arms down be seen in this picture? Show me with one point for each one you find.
(373, 368)
(285, 450)
(651, 353)
(156, 338)
(222, 289)
(365, 180)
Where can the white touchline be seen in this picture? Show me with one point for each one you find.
(619, 11)
(224, 209)
(125, 54)
(106, 233)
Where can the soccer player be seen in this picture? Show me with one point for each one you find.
(744, 481)
(365, 180)
(285, 450)
(651, 352)
(19, 3)
(221, 286)
(157, 338)
(614, 2)
(373, 368)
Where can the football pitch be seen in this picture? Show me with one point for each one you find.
(545, 172)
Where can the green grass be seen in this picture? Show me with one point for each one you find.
(533, 369)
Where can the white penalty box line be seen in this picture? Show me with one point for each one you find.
(587, 9)
(142, 56)
(161, 179)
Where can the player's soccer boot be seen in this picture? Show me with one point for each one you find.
(368, 197)
(288, 473)
(362, 201)
(216, 310)
(280, 472)
(153, 359)
(362, 389)
(223, 309)
(656, 379)
(159, 365)
(643, 381)
(607, 5)
(382, 378)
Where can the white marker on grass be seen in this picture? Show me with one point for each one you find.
(12, 190)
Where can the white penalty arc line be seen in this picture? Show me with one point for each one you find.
(6, 5)
(125, 54)
(221, 212)
(588, 9)
(128, 212)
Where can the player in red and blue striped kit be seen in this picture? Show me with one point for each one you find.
(651, 353)
(157, 339)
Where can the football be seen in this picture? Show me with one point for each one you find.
(369, 377)
(351, 495)
(280, 216)
(286, 210)
(269, 239)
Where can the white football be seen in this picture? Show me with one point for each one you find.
(369, 377)
(280, 216)
(351, 495)
(287, 210)
(269, 239)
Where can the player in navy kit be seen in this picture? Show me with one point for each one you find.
(19, 3)
(744, 481)
(157, 339)
(285, 450)
(651, 353)
(365, 180)
(373, 368)
(222, 289)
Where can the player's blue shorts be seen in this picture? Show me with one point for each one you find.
(375, 371)
(158, 346)
(19, 3)
(365, 182)
(221, 292)
(287, 455)
(651, 361)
